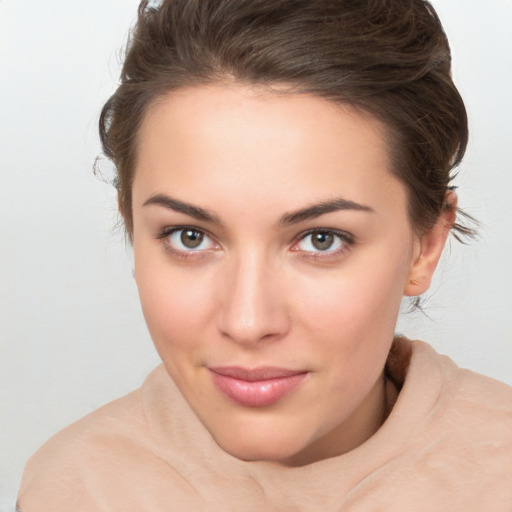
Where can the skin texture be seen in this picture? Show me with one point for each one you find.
(256, 292)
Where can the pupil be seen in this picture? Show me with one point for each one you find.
(322, 240)
(191, 238)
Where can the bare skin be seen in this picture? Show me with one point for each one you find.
(270, 232)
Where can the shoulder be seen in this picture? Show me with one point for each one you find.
(459, 399)
(418, 368)
(82, 466)
(462, 440)
(77, 453)
(476, 413)
(447, 443)
(464, 390)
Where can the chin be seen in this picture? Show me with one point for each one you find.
(271, 448)
(258, 454)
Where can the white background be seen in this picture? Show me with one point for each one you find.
(72, 336)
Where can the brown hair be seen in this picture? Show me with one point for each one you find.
(390, 58)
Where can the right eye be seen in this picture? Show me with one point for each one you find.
(187, 240)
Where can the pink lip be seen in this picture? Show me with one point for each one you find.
(258, 387)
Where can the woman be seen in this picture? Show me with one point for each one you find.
(284, 176)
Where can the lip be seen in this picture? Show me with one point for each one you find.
(258, 387)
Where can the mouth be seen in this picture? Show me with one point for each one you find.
(258, 387)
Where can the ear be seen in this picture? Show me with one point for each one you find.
(429, 248)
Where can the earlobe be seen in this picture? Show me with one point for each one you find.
(429, 250)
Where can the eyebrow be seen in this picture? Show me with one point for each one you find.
(316, 210)
(310, 212)
(181, 207)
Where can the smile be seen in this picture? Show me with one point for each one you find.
(259, 387)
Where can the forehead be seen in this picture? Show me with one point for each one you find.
(255, 143)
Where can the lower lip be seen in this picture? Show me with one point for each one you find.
(259, 393)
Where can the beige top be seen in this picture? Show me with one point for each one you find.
(446, 446)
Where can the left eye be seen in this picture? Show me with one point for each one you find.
(189, 239)
(320, 241)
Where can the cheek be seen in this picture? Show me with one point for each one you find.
(354, 311)
(176, 304)
(353, 300)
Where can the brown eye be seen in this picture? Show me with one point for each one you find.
(191, 238)
(322, 240)
(188, 239)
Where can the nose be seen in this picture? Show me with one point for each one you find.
(252, 307)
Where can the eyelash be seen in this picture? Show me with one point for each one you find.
(347, 241)
(169, 231)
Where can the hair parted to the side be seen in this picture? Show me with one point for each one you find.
(390, 58)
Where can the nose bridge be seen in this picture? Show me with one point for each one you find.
(252, 308)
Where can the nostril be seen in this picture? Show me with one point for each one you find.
(251, 308)
(251, 322)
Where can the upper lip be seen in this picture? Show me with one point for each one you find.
(255, 374)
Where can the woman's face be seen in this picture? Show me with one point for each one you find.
(272, 249)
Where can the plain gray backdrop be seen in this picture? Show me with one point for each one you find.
(71, 330)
